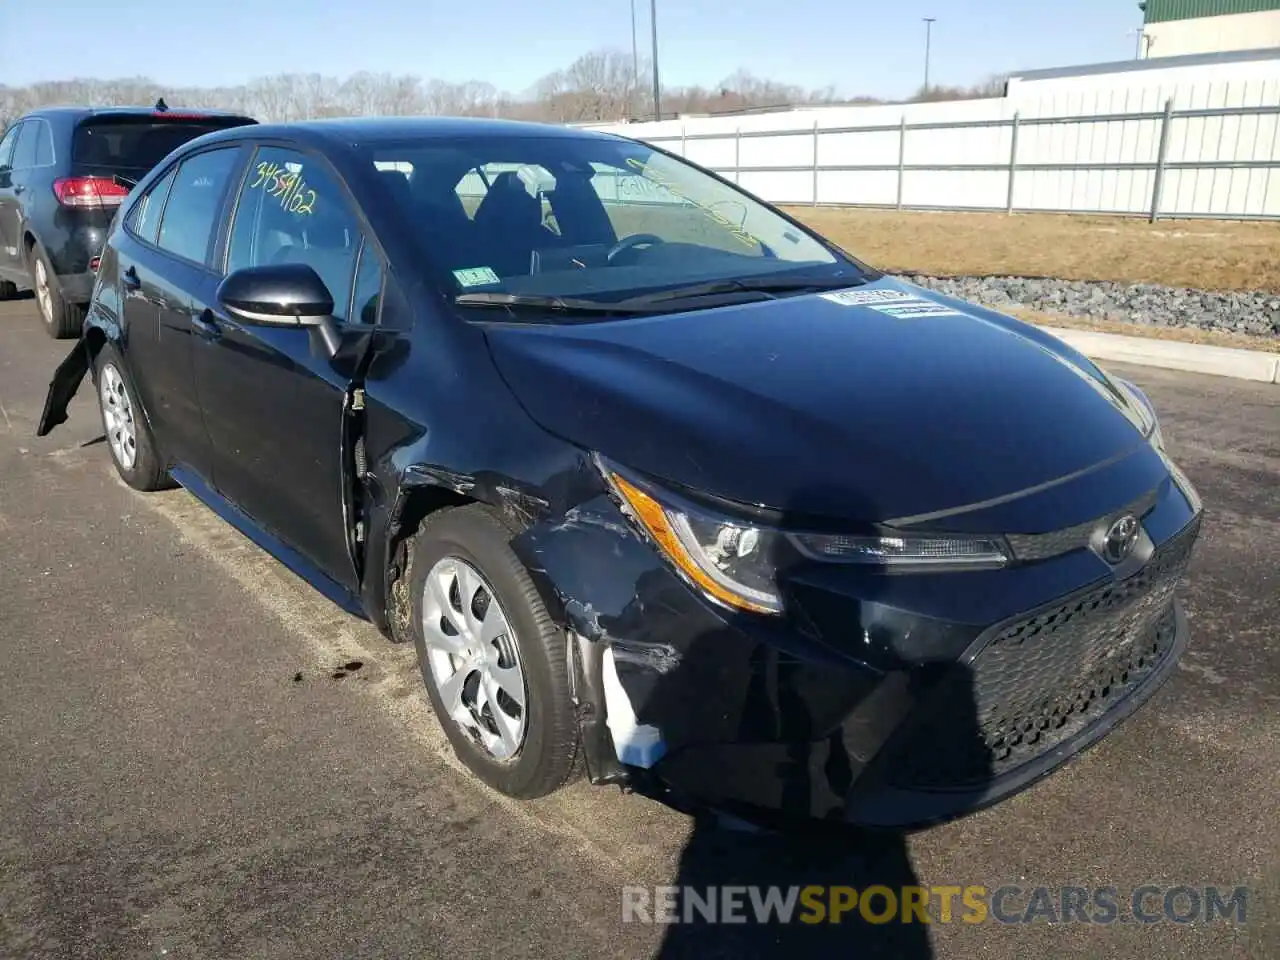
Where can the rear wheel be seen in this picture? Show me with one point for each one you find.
(492, 659)
(133, 449)
(8, 289)
(62, 320)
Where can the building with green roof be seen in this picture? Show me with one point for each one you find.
(1172, 28)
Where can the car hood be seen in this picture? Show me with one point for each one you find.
(880, 402)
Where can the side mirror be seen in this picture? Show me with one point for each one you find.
(285, 294)
(282, 295)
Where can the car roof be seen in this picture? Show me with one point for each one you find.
(350, 131)
(182, 113)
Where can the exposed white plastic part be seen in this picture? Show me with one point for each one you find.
(636, 744)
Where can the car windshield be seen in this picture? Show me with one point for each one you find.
(589, 221)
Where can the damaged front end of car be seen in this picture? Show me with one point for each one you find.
(66, 380)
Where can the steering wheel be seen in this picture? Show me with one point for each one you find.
(631, 242)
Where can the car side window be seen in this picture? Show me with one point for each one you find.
(24, 152)
(191, 214)
(144, 218)
(44, 145)
(7, 144)
(367, 298)
(292, 210)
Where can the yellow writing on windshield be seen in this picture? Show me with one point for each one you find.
(642, 167)
(287, 186)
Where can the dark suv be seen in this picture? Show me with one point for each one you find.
(63, 173)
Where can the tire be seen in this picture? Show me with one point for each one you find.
(62, 320)
(545, 757)
(133, 449)
(8, 289)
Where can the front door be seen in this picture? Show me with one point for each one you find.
(272, 398)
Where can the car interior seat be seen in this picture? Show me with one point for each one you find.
(510, 221)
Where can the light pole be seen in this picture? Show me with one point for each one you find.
(928, 37)
(653, 23)
(635, 62)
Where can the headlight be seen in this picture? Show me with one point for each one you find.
(731, 561)
(1150, 423)
(735, 561)
(902, 551)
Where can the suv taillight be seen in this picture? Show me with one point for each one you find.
(89, 191)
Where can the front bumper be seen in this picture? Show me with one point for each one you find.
(881, 701)
(1025, 699)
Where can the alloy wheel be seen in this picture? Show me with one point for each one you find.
(474, 658)
(44, 297)
(117, 416)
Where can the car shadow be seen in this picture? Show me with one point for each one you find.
(736, 848)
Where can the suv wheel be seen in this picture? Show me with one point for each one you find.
(492, 658)
(8, 289)
(62, 320)
(133, 449)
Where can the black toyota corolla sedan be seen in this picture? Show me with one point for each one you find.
(653, 477)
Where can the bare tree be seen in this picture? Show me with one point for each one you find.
(598, 86)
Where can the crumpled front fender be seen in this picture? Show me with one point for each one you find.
(66, 381)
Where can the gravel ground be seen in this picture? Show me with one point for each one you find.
(1147, 304)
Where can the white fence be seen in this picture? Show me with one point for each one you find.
(1207, 150)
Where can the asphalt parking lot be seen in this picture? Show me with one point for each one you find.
(201, 757)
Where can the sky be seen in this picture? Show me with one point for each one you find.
(867, 47)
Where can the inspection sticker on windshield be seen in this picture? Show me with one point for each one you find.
(895, 303)
(475, 277)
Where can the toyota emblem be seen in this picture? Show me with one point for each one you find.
(1120, 539)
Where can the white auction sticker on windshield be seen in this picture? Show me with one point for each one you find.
(894, 303)
(475, 277)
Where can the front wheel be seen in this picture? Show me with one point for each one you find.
(133, 449)
(492, 659)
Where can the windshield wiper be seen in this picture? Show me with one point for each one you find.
(541, 302)
(766, 287)
(763, 285)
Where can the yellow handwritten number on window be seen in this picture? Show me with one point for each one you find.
(287, 186)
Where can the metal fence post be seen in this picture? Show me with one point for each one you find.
(737, 155)
(1161, 155)
(1013, 163)
(815, 163)
(902, 155)
(683, 152)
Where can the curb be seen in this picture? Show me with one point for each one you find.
(1174, 355)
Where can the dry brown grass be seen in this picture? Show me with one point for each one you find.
(1208, 255)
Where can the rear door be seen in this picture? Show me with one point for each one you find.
(165, 278)
(274, 401)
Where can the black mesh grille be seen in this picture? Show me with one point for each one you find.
(1044, 679)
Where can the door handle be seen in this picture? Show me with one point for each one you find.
(130, 279)
(206, 325)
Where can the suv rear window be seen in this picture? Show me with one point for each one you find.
(132, 145)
